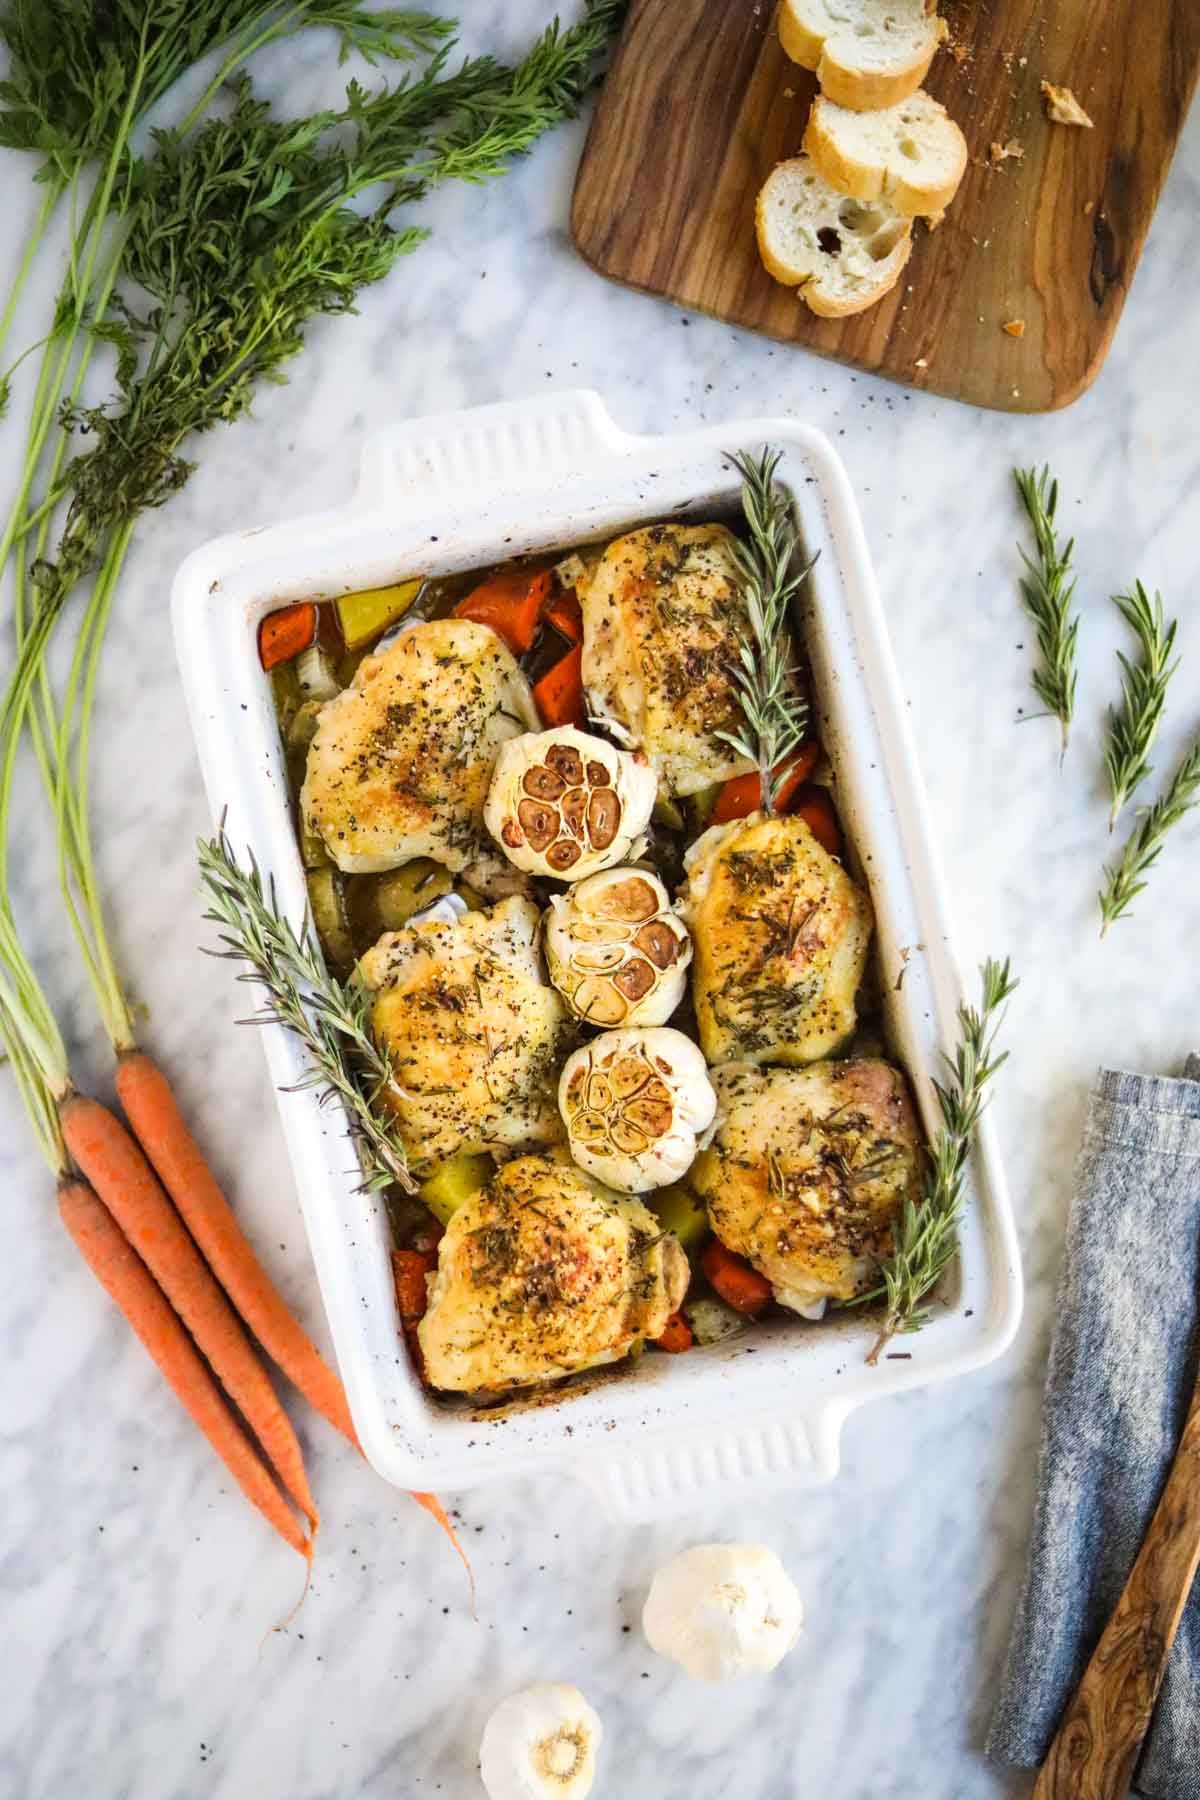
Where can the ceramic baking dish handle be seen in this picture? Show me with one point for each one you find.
(494, 450)
(659, 1481)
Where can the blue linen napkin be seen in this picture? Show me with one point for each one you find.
(1122, 1369)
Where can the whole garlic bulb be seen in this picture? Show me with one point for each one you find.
(566, 803)
(616, 951)
(540, 1744)
(723, 1611)
(634, 1103)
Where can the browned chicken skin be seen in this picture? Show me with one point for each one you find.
(662, 627)
(781, 934)
(807, 1171)
(542, 1273)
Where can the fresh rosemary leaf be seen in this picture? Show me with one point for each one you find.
(925, 1236)
(774, 712)
(1047, 594)
(1125, 880)
(1133, 725)
(329, 1019)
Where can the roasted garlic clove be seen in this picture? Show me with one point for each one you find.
(616, 951)
(634, 1103)
(565, 803)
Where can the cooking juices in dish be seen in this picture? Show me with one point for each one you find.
(624, 1009)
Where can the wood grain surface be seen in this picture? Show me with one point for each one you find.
(701, 103)
(1096, 1747)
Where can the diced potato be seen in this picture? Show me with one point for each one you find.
(386, 902)
(680, 1211)
(365, 616)
(711, 1319)
(700, 806)
(313, 853)
(455, 1181)
(326, 897)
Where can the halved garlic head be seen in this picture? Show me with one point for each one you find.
(616, 951)
(566, 803)
(634, 1103)
(541, 1742)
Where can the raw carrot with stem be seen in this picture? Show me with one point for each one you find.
(127, 1281)
(128, 1186)
(162, 1131)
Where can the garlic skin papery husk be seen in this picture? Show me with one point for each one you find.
(566, 804)
(541, 1744)
(616, 950)
(723, 1611)
(635, 1104)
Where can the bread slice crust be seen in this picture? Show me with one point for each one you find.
(913, 154)
(841, 255)
(848, 73)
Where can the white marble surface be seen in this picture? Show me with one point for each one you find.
(136, 1591)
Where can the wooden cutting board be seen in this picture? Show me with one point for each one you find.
(701, 102)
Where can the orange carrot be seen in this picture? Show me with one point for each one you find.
(286, 633)
(676, 1335)
(129, 1188)
(565, 614)
(731, 1276)
(813, 805)
(511, 603)
(436, 1510)
(161, 1130)
(128, 1282)
(743, 794)
(558, 696)
(409, 1269)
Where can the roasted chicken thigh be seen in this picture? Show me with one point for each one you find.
(475, 1033)
(400, 762)
(807, 1169)
(781, 935)
(662, 627)
(542, 1273)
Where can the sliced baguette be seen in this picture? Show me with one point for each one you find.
(911, 154)
(842, 255)
(866, 53)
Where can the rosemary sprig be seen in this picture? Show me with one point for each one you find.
(330, 1020)
(1125, 880)
(775, 714)
(1047, 594)
(925, 1237)
(1133, 725)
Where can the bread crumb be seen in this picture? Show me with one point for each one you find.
(921, 363)
(1089, 207)
(960, 53)
(789, 93)
(1062, 108)
(1000, 153)
(1016, 393)
(1014, 327)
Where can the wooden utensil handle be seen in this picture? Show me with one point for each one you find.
(1097, 1743)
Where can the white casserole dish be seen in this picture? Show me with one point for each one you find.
(463, 489)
